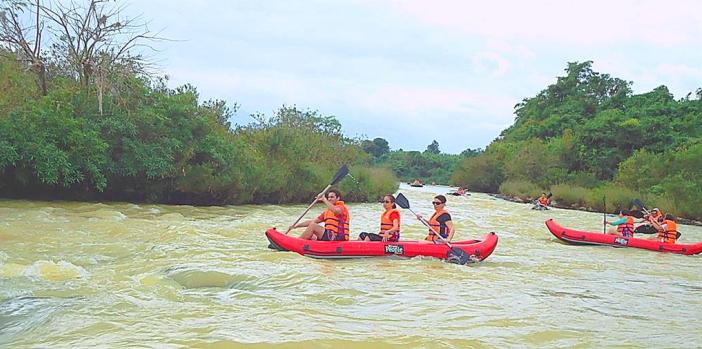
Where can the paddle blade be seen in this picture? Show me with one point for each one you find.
(343, 171)
(402, 201)
(458, 256)
(637, 214)
(549, 195)
(639, 204)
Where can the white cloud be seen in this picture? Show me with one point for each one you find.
(598, 21)
(490, 62)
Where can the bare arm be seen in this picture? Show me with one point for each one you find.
(451, 230)
(336, 209)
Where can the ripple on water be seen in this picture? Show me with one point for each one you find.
(198, 278)
(21, 315)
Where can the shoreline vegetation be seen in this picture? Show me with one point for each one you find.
(573, 206)
(86, 119)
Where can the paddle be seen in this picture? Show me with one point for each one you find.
(604, 214)
(455, 254)
(640, 204)
(343, 171)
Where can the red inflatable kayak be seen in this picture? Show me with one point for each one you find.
(585, 238)
(477, 249)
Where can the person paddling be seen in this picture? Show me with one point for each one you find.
(440, 221)
(389, 223)
(667, 230)
(624, 226)
(543, 200)
(647, 227)
(336, 220)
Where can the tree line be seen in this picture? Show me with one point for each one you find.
(82, 117)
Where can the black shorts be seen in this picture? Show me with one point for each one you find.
(370, 236)
(327, 236)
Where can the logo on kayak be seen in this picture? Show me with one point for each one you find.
(621, 241)
(394, 249)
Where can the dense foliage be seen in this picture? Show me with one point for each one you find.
(430, 166)
(588, 136)
(153, 143)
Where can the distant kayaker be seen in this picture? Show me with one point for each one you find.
(389, 223)
(460, 191)
(417, 182)
(543, 200)
(440, 221)
(335, 218)
(624, 226)
(667, 230)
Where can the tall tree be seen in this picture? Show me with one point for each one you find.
(96, 43)
(17, 36)
(433, 148)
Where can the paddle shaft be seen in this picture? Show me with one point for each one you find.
(432, 229)
(604, 215)
(308, 209)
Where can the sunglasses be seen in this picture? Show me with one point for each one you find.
(437, 203)
(387, 202)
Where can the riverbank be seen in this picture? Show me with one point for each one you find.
(576, 207)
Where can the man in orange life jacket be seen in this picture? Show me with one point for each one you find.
(335, 218)
(624, 225)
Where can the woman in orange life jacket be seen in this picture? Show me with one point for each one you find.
(335, 218)
(667, 230)
(624, 226)
(389, 223)
(440, 221)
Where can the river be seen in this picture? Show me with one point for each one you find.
(79, 275)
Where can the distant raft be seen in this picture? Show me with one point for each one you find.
(577, 237)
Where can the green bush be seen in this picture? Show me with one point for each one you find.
(569, 194)
(368, 184)
(520, 188)
(617, 197)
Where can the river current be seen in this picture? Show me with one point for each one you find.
(79, 275)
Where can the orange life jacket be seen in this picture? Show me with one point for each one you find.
(658, 218)
(543, 201)
(337, 225)
(441, 228)
(386, 223)
(627, 229)
(670, 234)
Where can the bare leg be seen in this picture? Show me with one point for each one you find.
(312, 230)
(613, 231)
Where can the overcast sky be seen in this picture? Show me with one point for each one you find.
(414, 71)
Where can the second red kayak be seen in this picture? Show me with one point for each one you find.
(477, 249)
(586, 238)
